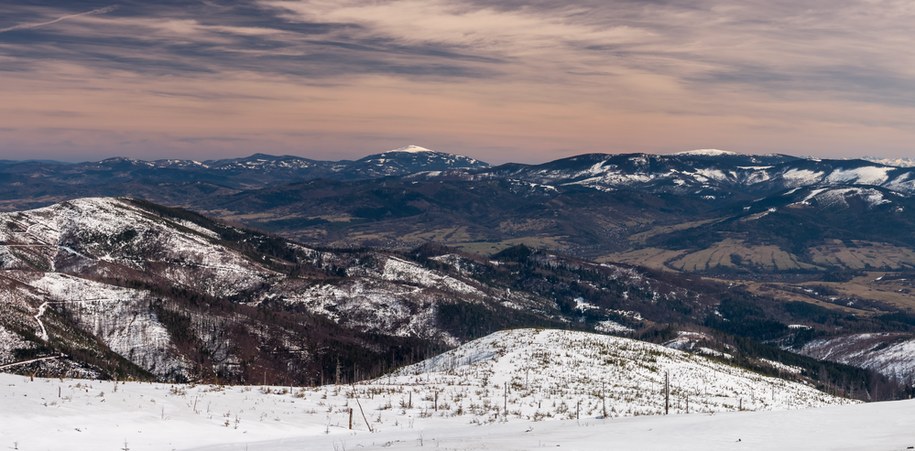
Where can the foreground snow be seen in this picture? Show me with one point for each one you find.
(92, 415)
(555, 387)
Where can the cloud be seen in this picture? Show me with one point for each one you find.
(29, 26)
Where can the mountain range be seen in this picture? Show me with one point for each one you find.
(123, 288)
(355, 267)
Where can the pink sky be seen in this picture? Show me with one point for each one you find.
(500, 81)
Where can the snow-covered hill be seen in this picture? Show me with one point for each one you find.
(892, 354)
(171, 295)
(141, 281)
(543, 367)
(410, 160)
(530, 379)
(112, 235)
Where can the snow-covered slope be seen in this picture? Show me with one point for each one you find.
(180, 297)
(107, 232)
(541, 368)
(887, 353)
(104, 275)
(898, 162)
(533, 380)
(840, 197)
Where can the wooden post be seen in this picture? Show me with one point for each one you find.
(351, 418)
(362, 412)
(505, 401)
(436, 401)
(578, 410)
(603, 401)
(410, 401)
(687, 403)
(666, 393)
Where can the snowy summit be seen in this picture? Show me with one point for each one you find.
(411, 149)
(706, 152)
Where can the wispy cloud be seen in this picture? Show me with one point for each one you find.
(29, 26)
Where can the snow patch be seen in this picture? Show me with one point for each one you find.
(869, 175)
(396, 269)
(801, 177)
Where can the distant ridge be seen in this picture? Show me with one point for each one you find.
(706, 152)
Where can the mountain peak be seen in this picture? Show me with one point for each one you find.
(706, 152)
(412, 148)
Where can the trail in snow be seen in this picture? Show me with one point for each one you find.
(26, 362)
(42, 242)
(28, 230)
(41, 310)
(75, 252)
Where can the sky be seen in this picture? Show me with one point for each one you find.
(499, 80)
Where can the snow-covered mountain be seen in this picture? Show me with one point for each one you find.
(410, 160)
(704, 173)
(897, 162)
(706, 152)
(709, 172)
(172, 295)
(179, 181)
(258, 162)
(126, 288)
(143, 281)
(892, 354)
(118, 281)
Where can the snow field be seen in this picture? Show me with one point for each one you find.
(520, 377)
